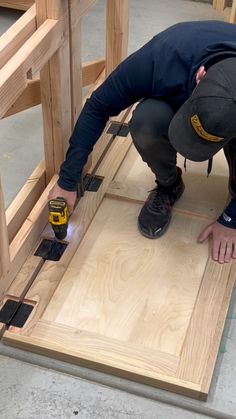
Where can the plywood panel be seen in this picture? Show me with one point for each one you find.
(203, 196)
(123, 286)
(135, 307)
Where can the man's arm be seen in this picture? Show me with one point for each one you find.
(131, 81)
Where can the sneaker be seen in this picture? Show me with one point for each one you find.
(155, 215)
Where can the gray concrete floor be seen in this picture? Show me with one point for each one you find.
(32, 386)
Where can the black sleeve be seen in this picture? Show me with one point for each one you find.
(131, 81)
(228, 217)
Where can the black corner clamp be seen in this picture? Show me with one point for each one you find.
(15, 313)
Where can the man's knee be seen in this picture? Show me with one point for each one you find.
(150, 120)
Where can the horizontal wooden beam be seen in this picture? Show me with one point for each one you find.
(25, 200)
(30, 97)
(31, 57)
(16, 35)
(16, 4)
(91, 71)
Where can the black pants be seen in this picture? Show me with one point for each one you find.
(149, 131)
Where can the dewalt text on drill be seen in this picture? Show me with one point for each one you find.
(59, 217)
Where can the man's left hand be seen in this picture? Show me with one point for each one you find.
(223, 241)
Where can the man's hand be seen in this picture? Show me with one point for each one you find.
(70, 197)
(223, 241)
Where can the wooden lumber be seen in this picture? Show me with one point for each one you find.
(220, 4)
(4, 245)
(97, 305)
(60, 348)
(117, 33)
(16, 35)
(212, 192)
(28, 235)
(79, 222)
(32, 56)
(233, 12)
(91, 71)
(17, 4)
(25, 200)
(55, 85)
(75, 61)
(30, 97)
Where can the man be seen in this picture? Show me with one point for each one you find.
(185, 80)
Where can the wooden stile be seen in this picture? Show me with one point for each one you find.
(117, 33)
(4, 245)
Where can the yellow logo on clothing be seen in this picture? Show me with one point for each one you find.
(196, 123)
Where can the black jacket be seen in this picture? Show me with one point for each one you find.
(164, 68)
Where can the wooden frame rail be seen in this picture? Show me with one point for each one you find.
(40, 62)
(17, 4)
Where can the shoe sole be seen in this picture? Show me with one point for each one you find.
(164, 228)
(159, 234)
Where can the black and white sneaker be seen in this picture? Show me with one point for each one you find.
(155, 215)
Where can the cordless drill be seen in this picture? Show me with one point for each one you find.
(59, 217)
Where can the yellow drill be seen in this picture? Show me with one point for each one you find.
(59, 217)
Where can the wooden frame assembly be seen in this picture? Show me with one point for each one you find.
(151, 311)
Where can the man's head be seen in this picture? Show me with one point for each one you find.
(207, 120)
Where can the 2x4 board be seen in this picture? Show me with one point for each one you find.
(149, 310)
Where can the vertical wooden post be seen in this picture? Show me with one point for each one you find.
(4, 245)
(220, 4)
(56, 89)
(75, 59)
(233, 12)
(117, 33)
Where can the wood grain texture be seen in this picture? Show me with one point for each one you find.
(116, 33)
(30, 97)
(4, 245)
(17, 4)
(233, 12)
(51, 273)
(89, 350)
(16, 35)
(121, 285)
(220, 4)
(122, 290)
(32, 56)
(91, 71)
(201, 342)
(203, 197)
(26, 238)
(25, 200)
(149, 310)
(75, 46)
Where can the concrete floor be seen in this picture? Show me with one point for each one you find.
(32, 386)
